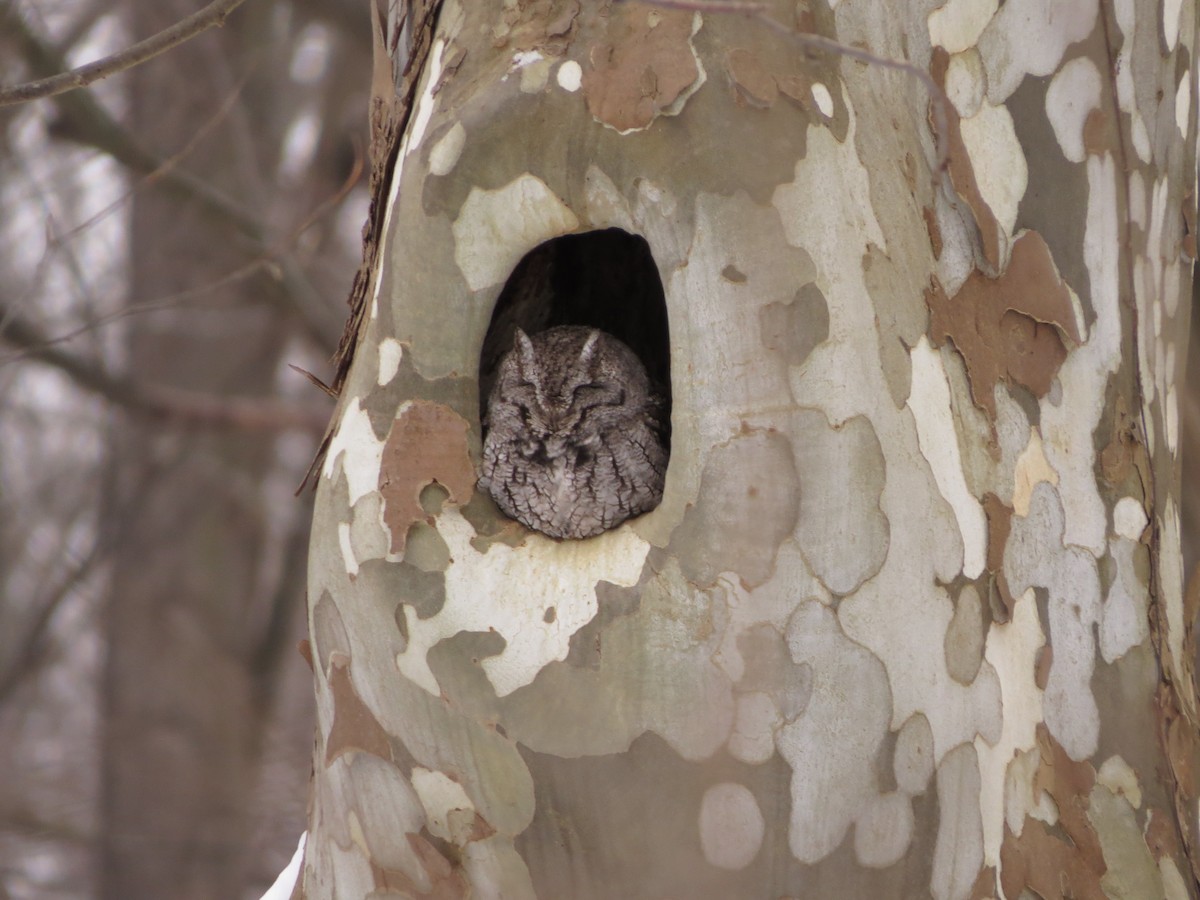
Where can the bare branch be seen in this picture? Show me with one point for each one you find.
(185, 29)
(175, 404)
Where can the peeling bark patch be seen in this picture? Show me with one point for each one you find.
(962, 174)
(427, 442)
(354, 726)
(1039, 858)
(748, 488)
(1010, 328)
(999, 520)
(930, 405)
(754, 85)
(645, 67)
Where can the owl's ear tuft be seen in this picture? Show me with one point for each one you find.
(525, 353)
(589, 348)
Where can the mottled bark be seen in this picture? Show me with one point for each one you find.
(909, 621)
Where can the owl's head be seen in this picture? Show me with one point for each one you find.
(569, 385)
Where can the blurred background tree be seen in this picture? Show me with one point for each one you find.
(173, 238)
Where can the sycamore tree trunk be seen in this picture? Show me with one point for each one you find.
(910, 619)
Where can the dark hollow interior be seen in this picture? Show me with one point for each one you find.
(605, 279)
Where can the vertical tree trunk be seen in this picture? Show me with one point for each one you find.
(909, 621)
(186, 691)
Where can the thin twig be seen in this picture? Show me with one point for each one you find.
(185, 29)
(159, 401)
(822, 44)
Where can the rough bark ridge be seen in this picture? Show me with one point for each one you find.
(909, 621)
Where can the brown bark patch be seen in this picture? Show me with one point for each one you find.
(935, 231)
(354, 725)
(642, 66)
(962, 173)
(1064, 862)
(1010, 328)
(752, 83)
(1097, 139)
(999, 522)
(1182, 741)
(427, 443)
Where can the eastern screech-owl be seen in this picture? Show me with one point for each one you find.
(574, 433)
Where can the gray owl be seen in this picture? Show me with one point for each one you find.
(574, 434)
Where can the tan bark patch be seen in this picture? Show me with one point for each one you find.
(1009, 328)
(427, 443)
(644, 64)
(354, 725)
(1043, 860)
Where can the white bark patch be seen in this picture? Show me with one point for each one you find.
(1030, 471)
(415, 133)
(958, 852)
(930, 405)
(1024, 797)
(347, 549)
(832, 747)
(359, 452)
(1129, 518)
(1073, 93)
(1012, 649)
(884, 830)
(1028, 37)
(1125, 623)
(731, 826)
(1170, 22)
(822, 98)
(997, 160)
(1036, 556)
(445, 153)
(494, 229)
(1069, 423)
(508, 590)
(1118, 776)
(958, 24)
(449, 812)
(391, 351)
(570, 76)
(1170, 581)
(1123, 67)
(965, 83)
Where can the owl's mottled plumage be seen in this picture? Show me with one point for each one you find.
(574, 434)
